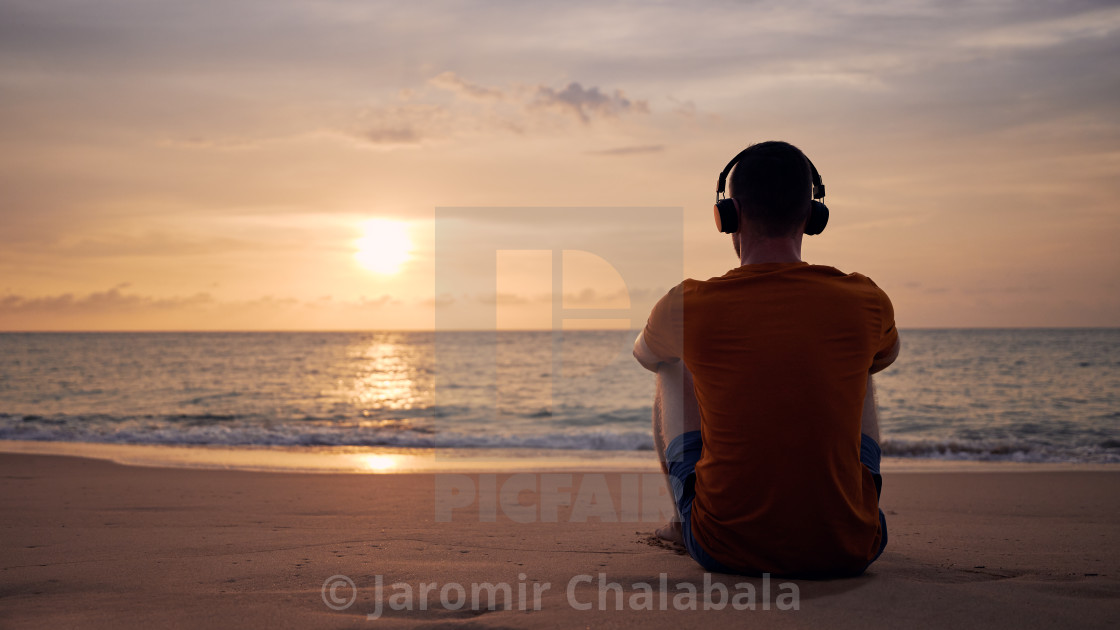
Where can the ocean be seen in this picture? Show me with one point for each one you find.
(1021, 395)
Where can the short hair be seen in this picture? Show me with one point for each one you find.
(773, 185)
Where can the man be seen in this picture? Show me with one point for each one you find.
(765, 413)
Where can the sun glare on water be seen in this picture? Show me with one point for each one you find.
(384, 246)
(378, 463)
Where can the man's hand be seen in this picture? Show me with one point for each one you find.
(646, 357)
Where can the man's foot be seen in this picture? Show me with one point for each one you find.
(671, 532)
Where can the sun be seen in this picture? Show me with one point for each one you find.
(384, 246)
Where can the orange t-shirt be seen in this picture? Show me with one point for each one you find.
(779, 355)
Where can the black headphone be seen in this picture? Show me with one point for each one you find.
(727, 210)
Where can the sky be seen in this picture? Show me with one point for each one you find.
(241, 165)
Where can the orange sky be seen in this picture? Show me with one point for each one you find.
(211, 165)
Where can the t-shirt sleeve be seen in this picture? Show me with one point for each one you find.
(888, 333)
(664, 331)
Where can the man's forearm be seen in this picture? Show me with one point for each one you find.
(869, 422)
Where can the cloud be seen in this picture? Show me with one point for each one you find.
(647, 148)
(443, 300)
(391, 135)
(506, 298)
(590, 298)
(212, 144)
(402, 124)
(150, 243)
(1049, 32)
(426, 115)
(116, 309)
(587, 103)
(452, 82)
(109, 301)
(684, 109)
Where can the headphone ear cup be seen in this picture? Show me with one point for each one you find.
(818, 218)
(727, 216)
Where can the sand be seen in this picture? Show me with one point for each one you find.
(94, 544)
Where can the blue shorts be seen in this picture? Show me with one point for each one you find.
(681, 456)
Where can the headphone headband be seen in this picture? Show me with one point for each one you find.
(818, 184)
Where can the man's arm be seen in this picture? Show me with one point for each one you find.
(646, 357)
(881, 362)
(660, 342)
(886, 351)
(869, 421)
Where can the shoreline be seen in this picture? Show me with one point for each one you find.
(401, 460)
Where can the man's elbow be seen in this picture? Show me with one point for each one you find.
(645, 357)
(880, 364)
(652, 367)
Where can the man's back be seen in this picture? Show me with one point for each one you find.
(780, 355)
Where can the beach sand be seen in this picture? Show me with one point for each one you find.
(94, 544)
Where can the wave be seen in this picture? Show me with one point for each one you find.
(1004, 450)
(222, 430)
(308, 433)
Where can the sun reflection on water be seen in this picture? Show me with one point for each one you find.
(380, 463)
(388, 376)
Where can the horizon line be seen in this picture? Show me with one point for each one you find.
(428, 330)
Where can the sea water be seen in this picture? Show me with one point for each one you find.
(1026, 395)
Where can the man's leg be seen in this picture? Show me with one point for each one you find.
(674, 412)
(870, 454)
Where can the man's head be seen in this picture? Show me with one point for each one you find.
(772, 184)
